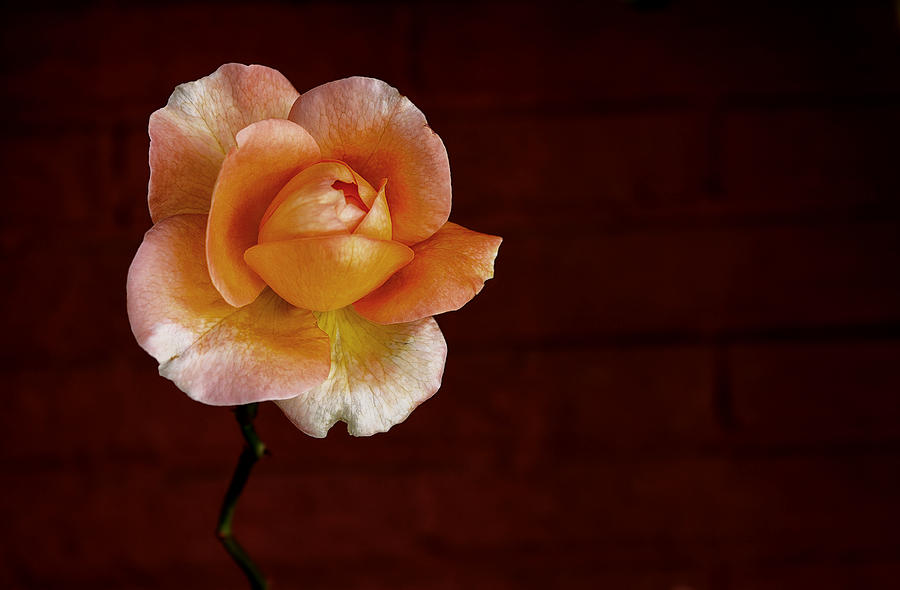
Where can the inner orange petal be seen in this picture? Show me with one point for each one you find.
(377, 222)
(268, 154)
(328, 272)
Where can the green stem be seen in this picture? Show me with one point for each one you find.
(252, 452)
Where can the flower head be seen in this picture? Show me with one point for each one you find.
(300, 247)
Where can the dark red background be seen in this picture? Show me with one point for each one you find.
(684, 375)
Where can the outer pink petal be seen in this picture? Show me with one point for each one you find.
(191, 135)
(381, 134)
(379, 374)
(268, 350)
(213, 352)
(171, 301)
(269, 153)
(448, 270)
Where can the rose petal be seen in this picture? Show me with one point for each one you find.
(190, 136)
(328, 272)
(381, 134)
(379, 374)
(365, 192)
(213, 352)
(309, 204)
(377, 222)
(448, 270)
(268, 154)
(171, 301)
(268, 350)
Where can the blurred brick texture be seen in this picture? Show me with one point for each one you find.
(684, 376)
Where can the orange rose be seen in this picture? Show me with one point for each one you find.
(300, 246)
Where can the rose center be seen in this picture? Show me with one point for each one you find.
(324, 199)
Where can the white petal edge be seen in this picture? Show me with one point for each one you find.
(379, 375)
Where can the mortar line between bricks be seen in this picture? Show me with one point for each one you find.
(886, 215)
(722, 398)
(880, 332)
(809, 100)
(876, 332)
(31, 119)
(613, 454)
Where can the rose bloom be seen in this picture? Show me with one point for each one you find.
(299, 249)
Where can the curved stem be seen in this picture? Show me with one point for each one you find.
(252, 452)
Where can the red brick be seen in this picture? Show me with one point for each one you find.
(503, 527)
(592, 395)
(822, 576)
(817, 392)
(573, 171)
(811, 160)
(593, 516)
(111, 412)
(303, 527)
(504, 54)
(90, 182)
(488, 573)
(70, 288)
(587, 397)
(743, 512)
(137, 55)
(107, 524)
(688, 282)
(126, 153)
(609, 400)
(57, 179)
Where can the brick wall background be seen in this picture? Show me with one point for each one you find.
(685, 375)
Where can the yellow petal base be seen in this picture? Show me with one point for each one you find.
(379, 374)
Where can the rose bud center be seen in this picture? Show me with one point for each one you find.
(324, 199)
(325, 239)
